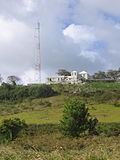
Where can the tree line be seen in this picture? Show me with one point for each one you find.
(110, 74)
(11, 79)
(17, 93)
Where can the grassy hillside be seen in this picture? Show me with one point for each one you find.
(52, 112)
(54, 147)
(43, 140)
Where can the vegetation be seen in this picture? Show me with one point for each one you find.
(41, 139)
(1, 79)
(76, 119)
(46, 143)
(110, 74)
(100, 75)
(13, 80)
(63, 72)
(18, 93)
(10, 129)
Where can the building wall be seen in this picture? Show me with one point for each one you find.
(74, 78)
(84, 74)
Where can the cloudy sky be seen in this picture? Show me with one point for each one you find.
(75, 35)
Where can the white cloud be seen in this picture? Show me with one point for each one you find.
(90, 55)
(30, 76)
(17, 44)
(11, 29)
(109, 6)
(29, 5)
(117, 26)
(80, 33)
(15, 39)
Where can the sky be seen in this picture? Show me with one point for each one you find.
(75, 35)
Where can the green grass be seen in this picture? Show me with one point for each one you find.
(105, 112)
(103, 85)
(55, 147)
(47, 115)
(41, 114)
(48, 143)
(53, 113)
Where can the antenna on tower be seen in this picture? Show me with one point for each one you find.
(38, 62)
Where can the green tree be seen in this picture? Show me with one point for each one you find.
(113, 74)
(92, 126)
(10, 129)
(63, 72)
(1, 79)
(99, 75)
(13, 80)
(41, 91)
(76, 119)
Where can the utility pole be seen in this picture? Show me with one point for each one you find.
(38, 63)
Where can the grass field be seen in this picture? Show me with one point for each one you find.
(45, 142)
(102, 85)
(54, 147)
(53, 113)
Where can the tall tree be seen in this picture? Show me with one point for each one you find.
(13, 80)
(76, 119)
(1, 79)
(113, 74)
(63, 72)
(99, 75)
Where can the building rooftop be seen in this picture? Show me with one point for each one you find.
(83, 72)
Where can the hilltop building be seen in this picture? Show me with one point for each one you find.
(75, 78)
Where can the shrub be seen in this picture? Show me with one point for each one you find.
(108, 129)
(10, 129)
(41, 91)
(76, 119)
(19, 93)
(92, 126)
(117, 103)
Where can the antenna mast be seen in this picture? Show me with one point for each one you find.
(38, 64)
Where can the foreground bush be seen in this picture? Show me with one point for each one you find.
(10, 129)
(108, 129)
(76, 119)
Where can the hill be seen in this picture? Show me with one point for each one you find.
(43, 140)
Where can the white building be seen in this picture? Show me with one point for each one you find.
(75, 78)
(84, 74)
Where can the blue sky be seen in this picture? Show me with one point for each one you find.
(75, 35)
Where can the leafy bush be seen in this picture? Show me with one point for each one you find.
(10, 129)
(108, 129)
(41, 91)
(117, 103)
(76, 119)
(92, 126)
(18, 93)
